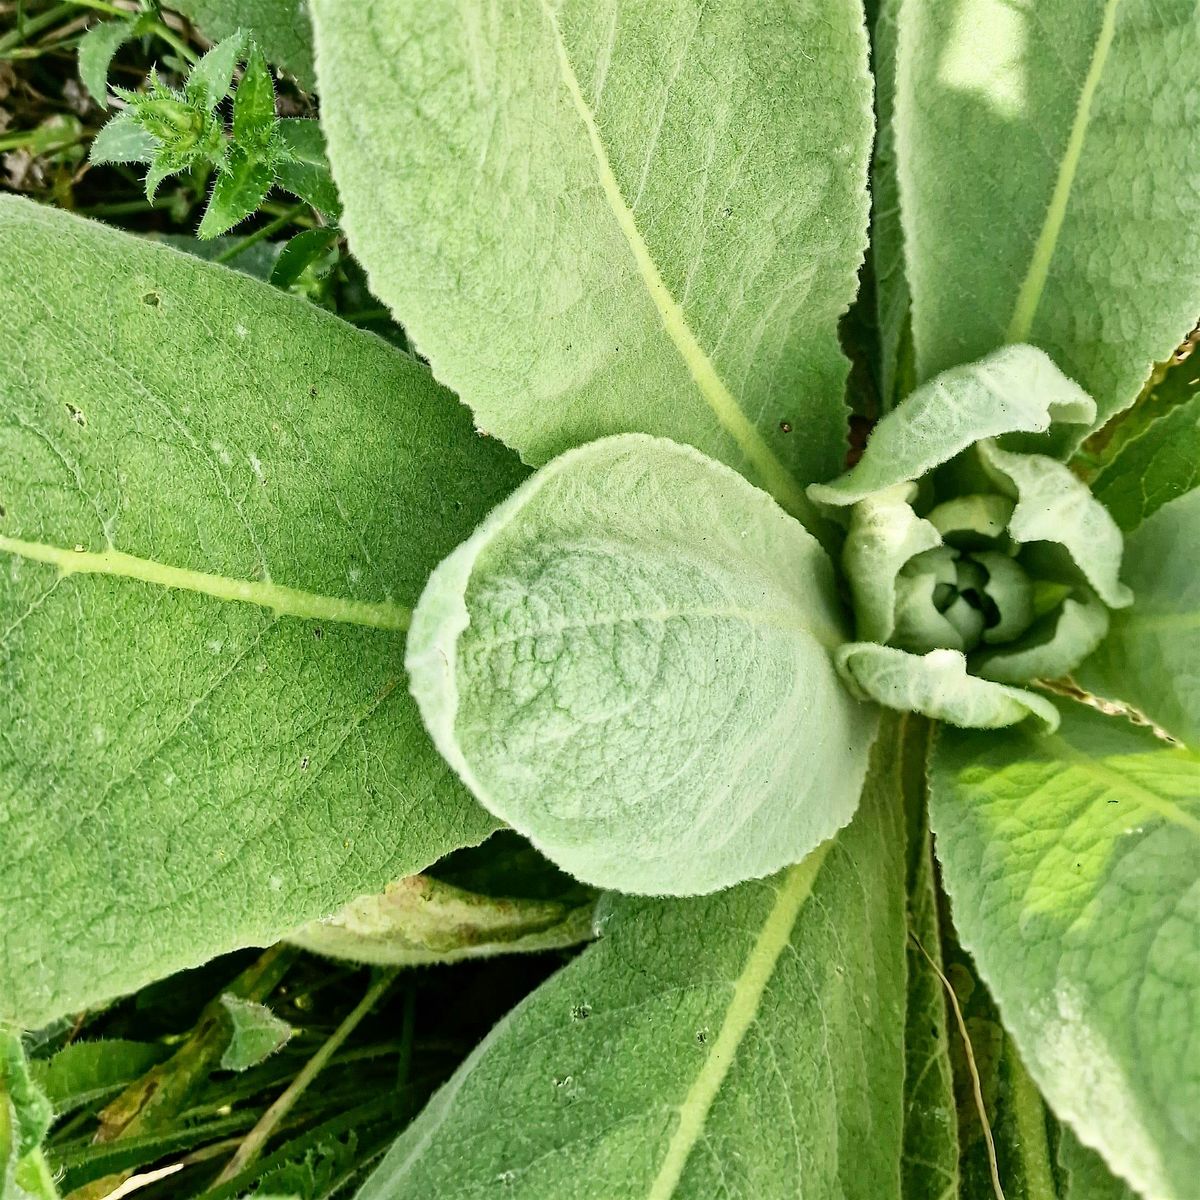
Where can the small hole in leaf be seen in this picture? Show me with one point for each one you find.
(76, 414)
(318, 632)
(153, 299)
(581, 1012)
(785, 427)
(701, 1036)
(304, 763)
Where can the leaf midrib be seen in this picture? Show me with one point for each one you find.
(773, 938)
(1109, 777)
(283, 601)
(1029, 295)
(760, 617)
(775, 477)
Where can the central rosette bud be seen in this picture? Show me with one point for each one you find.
(974, 560)
(954, 598)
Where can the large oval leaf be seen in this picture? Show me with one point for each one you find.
(629, 662)
(1048, 181)
(596, 218)
(1151, 656)
(1071, 863)
(744, 1045)
(189, 462)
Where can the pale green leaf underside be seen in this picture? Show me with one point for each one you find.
(937, 684)
(1071, 866)
(1015, 390)
(629, 662)
(1081, 236)
(279, 27)
(596, 218)
(736, 1045)
(424, 920)
(216, 505)
(1151, 656)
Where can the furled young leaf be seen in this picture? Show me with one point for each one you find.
(304, 169)
(255, 1033)
(1070, 861)
(937, 684)
(424, 920)
(1015, 390)
(1159, 465)
(1151, 656)
(596, 220)
(1053, 506)
(738, 1045)
(1047, 180)
(216, 502)
(629, 662)
(280, 27)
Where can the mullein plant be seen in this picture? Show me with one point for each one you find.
(766, 707)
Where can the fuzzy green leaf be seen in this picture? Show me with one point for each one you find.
(122, 140)
(216, 504)
(209, 81)
(84, 1072)
(1047, 173)
(254, 103)
(96, 50)
(303, 168)
(728, 1046)
(593, 222)
(629, 662)
(937, 684)
(1156, 467)
(1015, 390)
(300, 253)
(239, 188)
(255, 1033)
(280, 27)
(1070, 861)
(1151, 656)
